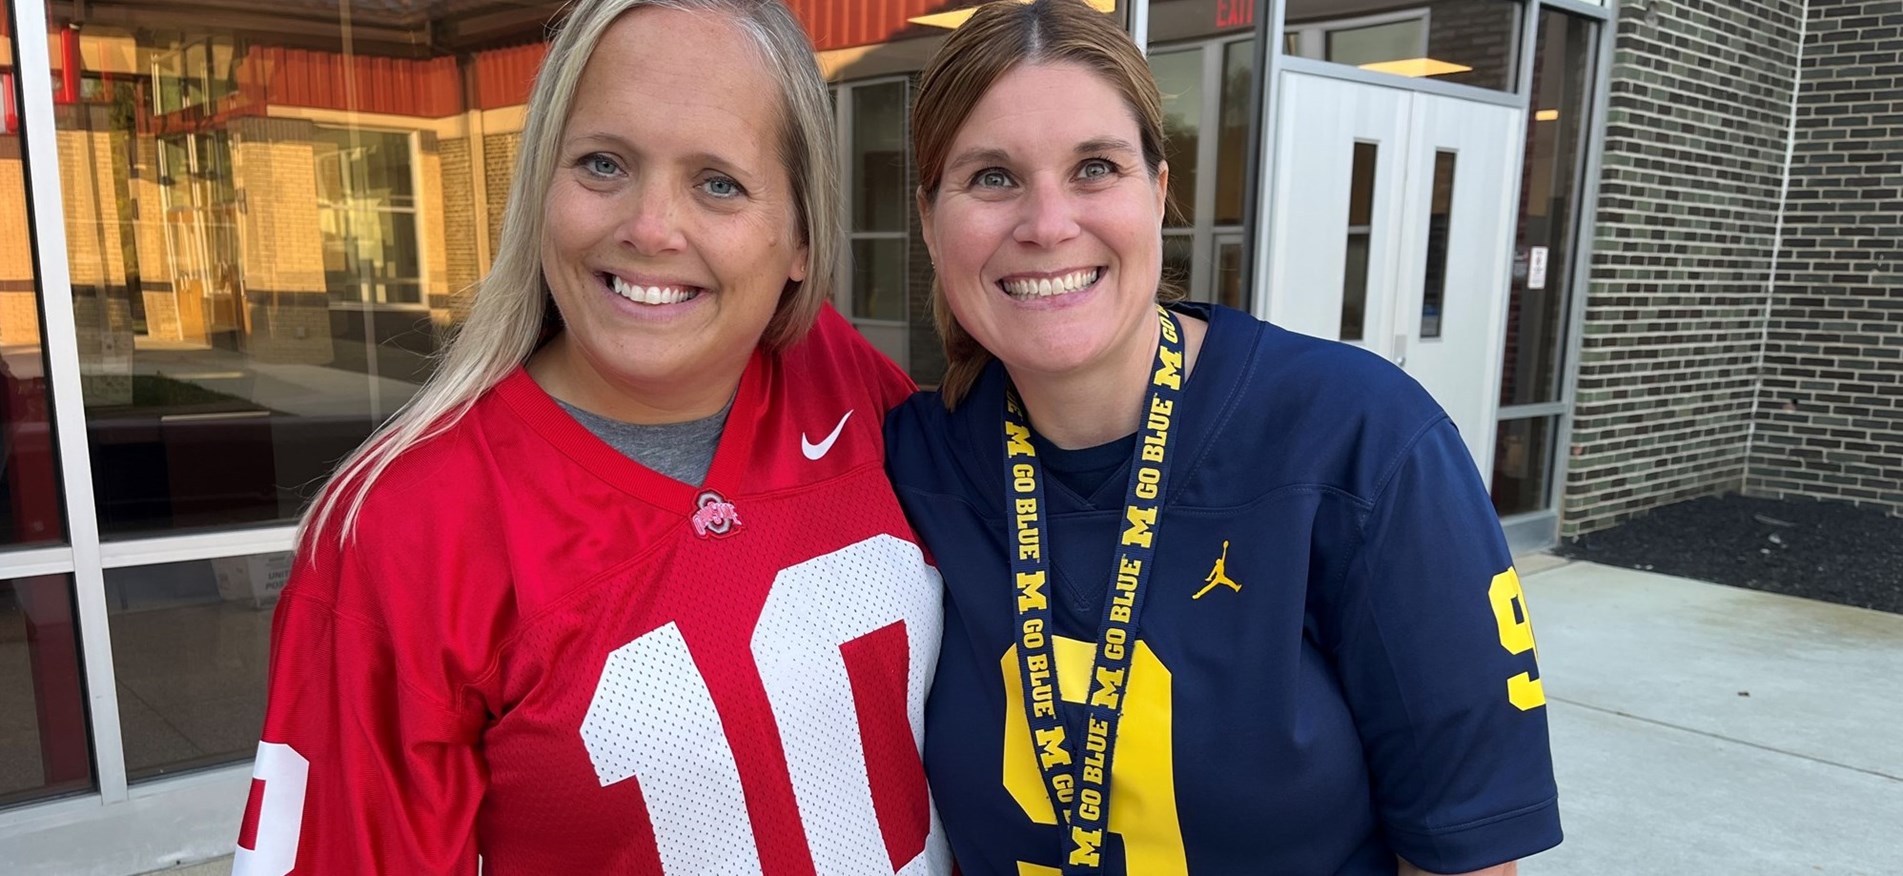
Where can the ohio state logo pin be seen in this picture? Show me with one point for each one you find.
(714, 516)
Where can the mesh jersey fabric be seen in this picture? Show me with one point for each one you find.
(542, 653)
(1325, 670)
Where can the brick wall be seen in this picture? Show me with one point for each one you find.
(498, 170)
(1478, 34)
(1830, 412)
(102, 305)
(287, 309)
(19, 302)
(461, 261)
(431, 223)
(1697, 127)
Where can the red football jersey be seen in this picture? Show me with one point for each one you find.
(539, 652)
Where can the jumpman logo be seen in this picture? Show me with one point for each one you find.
(1218, 576)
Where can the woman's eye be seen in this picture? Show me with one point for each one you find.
(600, 165)
(1096, 168)
(722, 187)
(992, 179)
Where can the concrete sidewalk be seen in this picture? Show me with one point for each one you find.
(1702, 729)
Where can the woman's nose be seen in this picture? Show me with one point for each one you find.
(1049, 214)
(652, 226)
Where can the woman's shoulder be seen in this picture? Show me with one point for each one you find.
(929, 448)
(435, 513)
(1303, 376)
(423, 493)
(1310, 410)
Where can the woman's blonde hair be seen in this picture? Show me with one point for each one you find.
(999, 37)
(513, 310)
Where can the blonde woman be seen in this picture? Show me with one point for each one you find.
(1219, 598)
(624, 590)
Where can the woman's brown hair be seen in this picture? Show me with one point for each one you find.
(1000, 36)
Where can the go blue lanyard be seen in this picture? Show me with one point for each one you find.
(1080, 788)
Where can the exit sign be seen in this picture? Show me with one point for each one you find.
(1235, 13)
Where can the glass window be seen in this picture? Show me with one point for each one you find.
(1179, 75)
(1543, 252)
(879, 197)
(1376, 43)
(31, 506)
(44, 748)
(367, 209)
(1229, 289)
(1354, 284)
(881, 205)
(1523, 465)
(1178, 260)
(260, 276)
(1232, 150)
(1439, 225)
(1472, 42)
(190, 647)
(878, 278)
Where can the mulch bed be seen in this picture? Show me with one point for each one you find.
(1818, 550)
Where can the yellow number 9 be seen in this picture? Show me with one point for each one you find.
(1516, 635)
(1143, 778)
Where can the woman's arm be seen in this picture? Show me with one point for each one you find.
(1436, 655)
(359, 770)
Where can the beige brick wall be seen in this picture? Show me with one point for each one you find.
(169, 314)
(95, 260)
(498, 170)
(19, 303)
(287, 313)
(462, 263)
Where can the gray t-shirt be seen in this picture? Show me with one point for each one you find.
(682, 451)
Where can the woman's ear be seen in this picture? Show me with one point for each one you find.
(1163, 189)
(925, 224)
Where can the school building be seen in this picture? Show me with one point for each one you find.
(1641, 250)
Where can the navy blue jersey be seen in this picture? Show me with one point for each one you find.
(1335, 662)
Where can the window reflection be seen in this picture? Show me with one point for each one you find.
(878, 157)
(1178, 254)
(1440, 224)
(272, 209)
(1229, 279)
(1472, 42)
(30, 501)
(875, 177)
(1354, 284)
(1202, 53)
(1179, 76)
(1232, 151)
(190, 647)
(43, 740)
(268, 215)
(45, 749)
(1543, 254)
(1523, 465)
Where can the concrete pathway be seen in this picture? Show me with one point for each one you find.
(1707, 729)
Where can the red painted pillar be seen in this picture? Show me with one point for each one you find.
(69, 66)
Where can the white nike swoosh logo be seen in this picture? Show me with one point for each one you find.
(815, 451)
